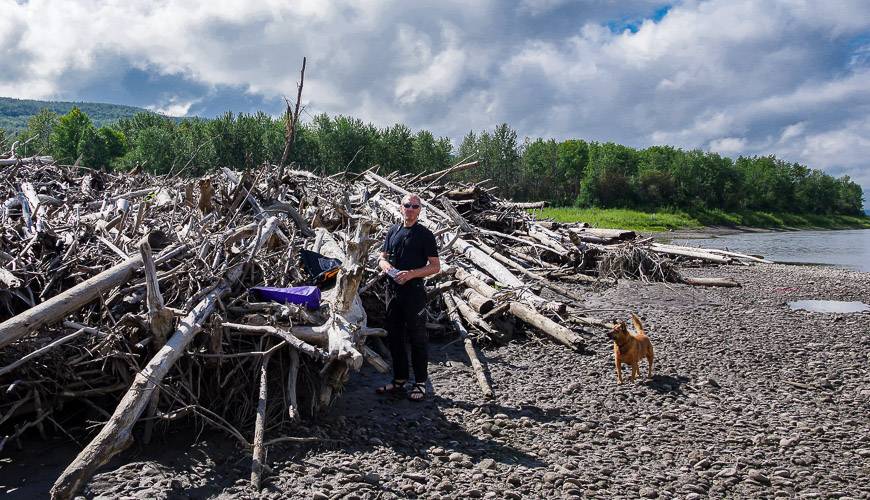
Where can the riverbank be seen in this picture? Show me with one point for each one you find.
(749, 399)
(703, 220)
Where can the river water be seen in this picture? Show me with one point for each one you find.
(850, 248)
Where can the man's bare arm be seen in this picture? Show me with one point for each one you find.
(433, 267)
(383, 263)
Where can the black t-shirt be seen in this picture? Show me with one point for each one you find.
(409, 248)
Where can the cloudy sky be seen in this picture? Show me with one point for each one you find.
(789, 77)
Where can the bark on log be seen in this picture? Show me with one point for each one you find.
(297, 337)
(479, 286)
(129, 196)
(540, 279)
(694, 253)
(259, 451)
(160, 319)
(472, 318)
(724, 282)
(470, 350)
(477, 301)
(292, 375)
(546, 325)
(55, 308)
(607, 234)
(492, 266)
(526, 205)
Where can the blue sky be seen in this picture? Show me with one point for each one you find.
(788, 77)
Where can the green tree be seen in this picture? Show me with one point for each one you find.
(573, 156)
(396, 150)
(39, 129)
(67, 135)
(538, 173)
(430, 154)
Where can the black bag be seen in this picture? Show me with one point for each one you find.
(321, 269)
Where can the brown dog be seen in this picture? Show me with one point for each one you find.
(629, 348)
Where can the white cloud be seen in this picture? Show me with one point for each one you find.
(173, 106)
(792, 131)
(728, 145)
(741, 76)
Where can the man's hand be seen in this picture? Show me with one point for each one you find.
(404, 277)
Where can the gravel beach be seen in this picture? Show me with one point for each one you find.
(749, 399)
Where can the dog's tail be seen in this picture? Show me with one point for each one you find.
(638, 327)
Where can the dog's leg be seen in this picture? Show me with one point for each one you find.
(634, 371)
(618, 361)
(649, 362)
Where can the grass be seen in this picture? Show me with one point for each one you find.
(662, 221)
(622, 218)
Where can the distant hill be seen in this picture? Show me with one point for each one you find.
(14, 113)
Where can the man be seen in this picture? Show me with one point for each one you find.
(408, 255)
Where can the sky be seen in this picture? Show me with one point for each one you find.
(783, 77)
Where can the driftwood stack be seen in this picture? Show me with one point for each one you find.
(125, 298)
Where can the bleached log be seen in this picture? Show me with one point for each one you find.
(297, 337)
(694, 253)
(129, 196)
(477, 301)
(259, 451)
(55, 308)
(546, 325)
(7, 162)
(471, 281)
(9, 279)
(547, 238)
(470, 316)
(375, 359)
(526, 205)
(540, 279)
(292, 375)
(159, 318)
(723, 282)
(347, 316)
(498, 271)
(470, 350)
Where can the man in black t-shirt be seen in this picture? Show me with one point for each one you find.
(408, 255)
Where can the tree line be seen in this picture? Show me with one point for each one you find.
(570, 172)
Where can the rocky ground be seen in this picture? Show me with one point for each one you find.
(749, 399)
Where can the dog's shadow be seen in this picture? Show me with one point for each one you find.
(667, 384)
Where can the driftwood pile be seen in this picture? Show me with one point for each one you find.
(124, 298)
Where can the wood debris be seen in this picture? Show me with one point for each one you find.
(126, 298)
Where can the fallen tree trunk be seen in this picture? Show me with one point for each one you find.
(470, 350)
(695, 254)
(724, 282)
(546, 325)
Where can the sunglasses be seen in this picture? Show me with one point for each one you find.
(411, 205)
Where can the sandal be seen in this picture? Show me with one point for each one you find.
(395, 387)
(418, 392)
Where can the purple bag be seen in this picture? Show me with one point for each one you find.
(308, 296)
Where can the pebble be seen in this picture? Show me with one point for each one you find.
(486, 464)
(727, 428)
